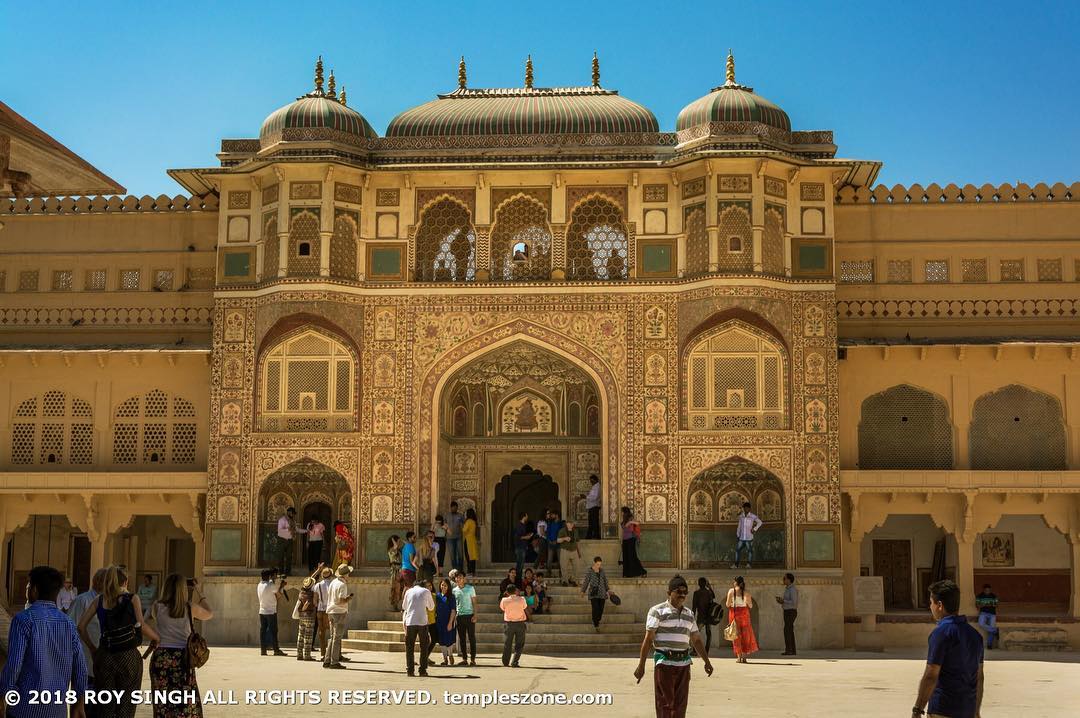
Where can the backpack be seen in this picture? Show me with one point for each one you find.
(714, 614)
(118, 630)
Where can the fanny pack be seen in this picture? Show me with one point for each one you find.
(675, 655)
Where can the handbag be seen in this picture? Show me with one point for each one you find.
(198, 653)
(614, 598)
(731, 633)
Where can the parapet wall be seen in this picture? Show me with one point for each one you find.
(952, 194)
(113, 204)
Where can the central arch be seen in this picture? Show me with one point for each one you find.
(314, 489)
(714, 499)
(608, 456)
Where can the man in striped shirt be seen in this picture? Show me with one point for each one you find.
(670, 628)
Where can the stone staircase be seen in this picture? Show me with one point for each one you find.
(566, 629)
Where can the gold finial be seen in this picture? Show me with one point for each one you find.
(461, 73)
(341, 97)
(332, 87)
(595, 70)
(730, 67)
(528, 72)
(318, 76)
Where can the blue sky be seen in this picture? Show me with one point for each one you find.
(968, 92)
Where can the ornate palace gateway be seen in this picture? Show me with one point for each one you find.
(511, 289)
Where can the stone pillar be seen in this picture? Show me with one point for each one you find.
(324, 252)
(1074, 566)
(680, 255)
(714, 247)
(283, 253)
(965, 572)
(483, 253)
(558, 251)
(758, 232)
(787, 254)
(961, 412)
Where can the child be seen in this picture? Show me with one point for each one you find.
(530, 601)
(542, 599)
(433, 629)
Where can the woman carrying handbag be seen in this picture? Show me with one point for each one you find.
(740, 631)
(172, 667)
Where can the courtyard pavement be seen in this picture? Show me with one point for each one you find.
(838, 683)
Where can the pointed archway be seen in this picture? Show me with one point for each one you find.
(714, 501)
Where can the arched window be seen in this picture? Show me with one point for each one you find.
(304, 243)
(478, 420)
(307, 385)
(343, 245)
(154, 428)
(573, 420)
(714, 502)
(697, 240)
(521, 241)
(54, 428)
(736, 253)
(1018, 429)
(905, 428)
(270, 246)
(445, 243)
(735, 380)
(596, 244)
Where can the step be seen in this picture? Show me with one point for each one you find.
(546, 628)
(486, 650)
(574, 619)
(1031, 638)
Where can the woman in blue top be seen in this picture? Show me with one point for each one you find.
(446, 620)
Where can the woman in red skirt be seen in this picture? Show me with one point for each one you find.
(739, 603)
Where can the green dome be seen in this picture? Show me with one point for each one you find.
(524, 111)
(320, 116)
(732, 102)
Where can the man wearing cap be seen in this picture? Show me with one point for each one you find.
(670, 628)
(306, 611)
(324, 576)
(337, 608)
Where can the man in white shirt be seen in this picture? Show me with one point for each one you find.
(84, 602)
(415, 605)
(747, 526)
(337, 608)
(592, 503)
(286, 534)
(269, 593)
(322, 595)
(67, 595)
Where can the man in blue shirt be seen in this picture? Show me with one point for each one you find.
(409, 563)
(523, 534)
(952, 685)
(44, 652)
(554, 524)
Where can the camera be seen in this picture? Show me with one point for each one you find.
(191, 583)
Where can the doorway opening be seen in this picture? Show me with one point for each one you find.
(524, 490)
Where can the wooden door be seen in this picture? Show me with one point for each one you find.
(80, 562)
(892, 561)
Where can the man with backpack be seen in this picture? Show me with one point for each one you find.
(707, 612)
